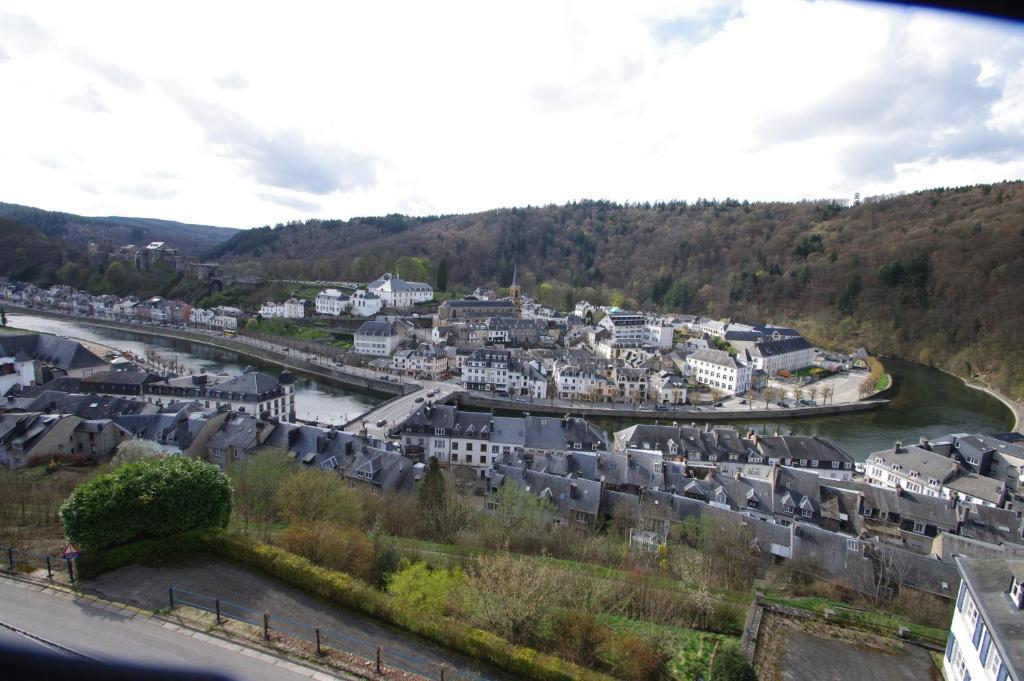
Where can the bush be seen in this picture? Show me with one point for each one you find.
(428, 591)
(731, 665)
(146, 499)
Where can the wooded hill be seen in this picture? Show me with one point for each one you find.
(76, 231)
(935, 276)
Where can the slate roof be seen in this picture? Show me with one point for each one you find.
(63, 353)
(780, 347)
(719, 357)
(252, 385)
(377, 329)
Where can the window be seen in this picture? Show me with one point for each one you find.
(918, 527)
(807, 513)
(455, 458)
(455, 446)
(852, 545)
(582, 517)
(835, 464)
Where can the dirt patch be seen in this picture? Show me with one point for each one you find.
(790, 649)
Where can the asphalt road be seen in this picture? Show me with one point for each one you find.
(395, 411)
(104, 633)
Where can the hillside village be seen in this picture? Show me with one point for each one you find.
(802, 497)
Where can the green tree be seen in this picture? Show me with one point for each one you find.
(148, 498)
(427, 591)
(731, 665)
(440, 507)
(116, 276)
(316, 500)
(847, 302)
(441, 281)
(256, 481)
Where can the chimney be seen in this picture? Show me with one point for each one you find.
(898, 448)
(573, 491)
(737, 474)
(924, 444)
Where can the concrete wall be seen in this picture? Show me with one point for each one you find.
(679, 414)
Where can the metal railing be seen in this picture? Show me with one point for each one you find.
(322, 637)
(56, 567)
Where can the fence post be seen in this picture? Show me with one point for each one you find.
(318, 651)
(266, 626)
(170, 596)
(442, 672)
(49, 570)
(71, 569)
(10, 558)
(378, 659)
(216, 604)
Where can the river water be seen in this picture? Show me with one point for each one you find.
(925, 401)
(314, 399)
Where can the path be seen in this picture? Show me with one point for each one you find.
(146, 586)
(108, 633)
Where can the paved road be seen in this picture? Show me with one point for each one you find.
(104, 633)
(395, 411)
(146, 587)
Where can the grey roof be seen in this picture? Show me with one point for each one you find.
(992, 525)
(134, 378)
(377, 329)
(478, 303)
(63, 353)
(250, 384)
(780, 347)
(508, 430)
(988, 581)
(720, 357)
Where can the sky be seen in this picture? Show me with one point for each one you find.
(249, 113)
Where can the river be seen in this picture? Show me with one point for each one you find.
(315, 399)
(925, 401)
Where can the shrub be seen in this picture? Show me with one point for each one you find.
(347, 550)
(731, 665)
(146, 499)
(424, 590)
(630, 657)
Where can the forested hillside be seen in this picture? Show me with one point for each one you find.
(77, 230)
(936, 276)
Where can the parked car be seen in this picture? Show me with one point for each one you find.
(382, 423)
(782, 404)
(662, 407)
(419, 399)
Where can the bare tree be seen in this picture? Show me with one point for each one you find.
(827, 391)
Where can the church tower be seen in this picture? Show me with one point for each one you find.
(515, 291)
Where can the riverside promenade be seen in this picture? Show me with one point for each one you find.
(398, 386)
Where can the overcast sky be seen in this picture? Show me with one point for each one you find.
(246, 113)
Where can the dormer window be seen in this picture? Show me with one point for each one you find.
(897, 467)
(1017, 592)
(913, 474)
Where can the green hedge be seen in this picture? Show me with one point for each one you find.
(146, 499)
(349, 592)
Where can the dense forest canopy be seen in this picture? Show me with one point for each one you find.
(934, 276)
(78, 230)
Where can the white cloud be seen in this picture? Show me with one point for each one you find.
(250, 113)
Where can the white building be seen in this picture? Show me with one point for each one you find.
(332, 302)
(720, 370)
(200, 317)
(271, 310)
(365, 303)
(628, 328)
(293, 308)
(225, 322)
(923, 471)
(16, 370)
(377, 338)
(789, 354)
(398, 293)
(658, 335)
(985, 642)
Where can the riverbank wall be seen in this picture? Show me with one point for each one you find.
(342, 378)
(464, 399)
